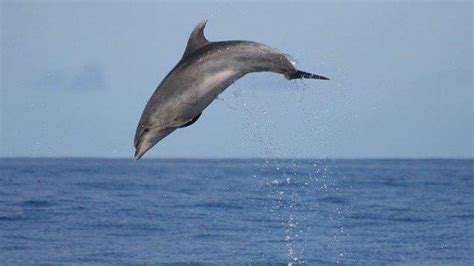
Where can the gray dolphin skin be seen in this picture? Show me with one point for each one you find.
(205, 70)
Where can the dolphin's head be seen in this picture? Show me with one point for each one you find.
(146, 137)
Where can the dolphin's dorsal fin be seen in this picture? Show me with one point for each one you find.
(196, 39)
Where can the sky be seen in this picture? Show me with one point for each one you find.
(75, 77)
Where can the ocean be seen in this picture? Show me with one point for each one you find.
(186, 211)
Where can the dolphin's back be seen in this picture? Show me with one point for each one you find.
(243, 56)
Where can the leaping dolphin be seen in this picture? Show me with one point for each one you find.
(205, 70)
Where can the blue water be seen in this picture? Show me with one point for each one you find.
(236, 211)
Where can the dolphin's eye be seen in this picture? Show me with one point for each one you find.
(146, 130)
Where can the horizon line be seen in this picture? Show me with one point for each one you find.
(233, 158)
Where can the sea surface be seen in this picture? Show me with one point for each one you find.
(97, 211)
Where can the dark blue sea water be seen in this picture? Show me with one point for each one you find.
(64, 211)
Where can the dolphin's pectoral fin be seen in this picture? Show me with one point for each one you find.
(192, 121)
(196, 39)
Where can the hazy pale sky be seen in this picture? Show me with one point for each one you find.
(75, 77)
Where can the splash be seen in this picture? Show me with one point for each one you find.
(310, 126)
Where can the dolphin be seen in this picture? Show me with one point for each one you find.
(205, 70)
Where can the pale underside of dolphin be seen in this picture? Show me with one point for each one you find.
(205, 70)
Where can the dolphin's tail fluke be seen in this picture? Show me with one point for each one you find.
(303, 75)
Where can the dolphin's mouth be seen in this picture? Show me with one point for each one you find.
(142, 148)
(138, 154)
(147, 143)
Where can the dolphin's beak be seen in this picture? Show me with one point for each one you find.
(138, 154)
(141, 149)
(147, 143)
